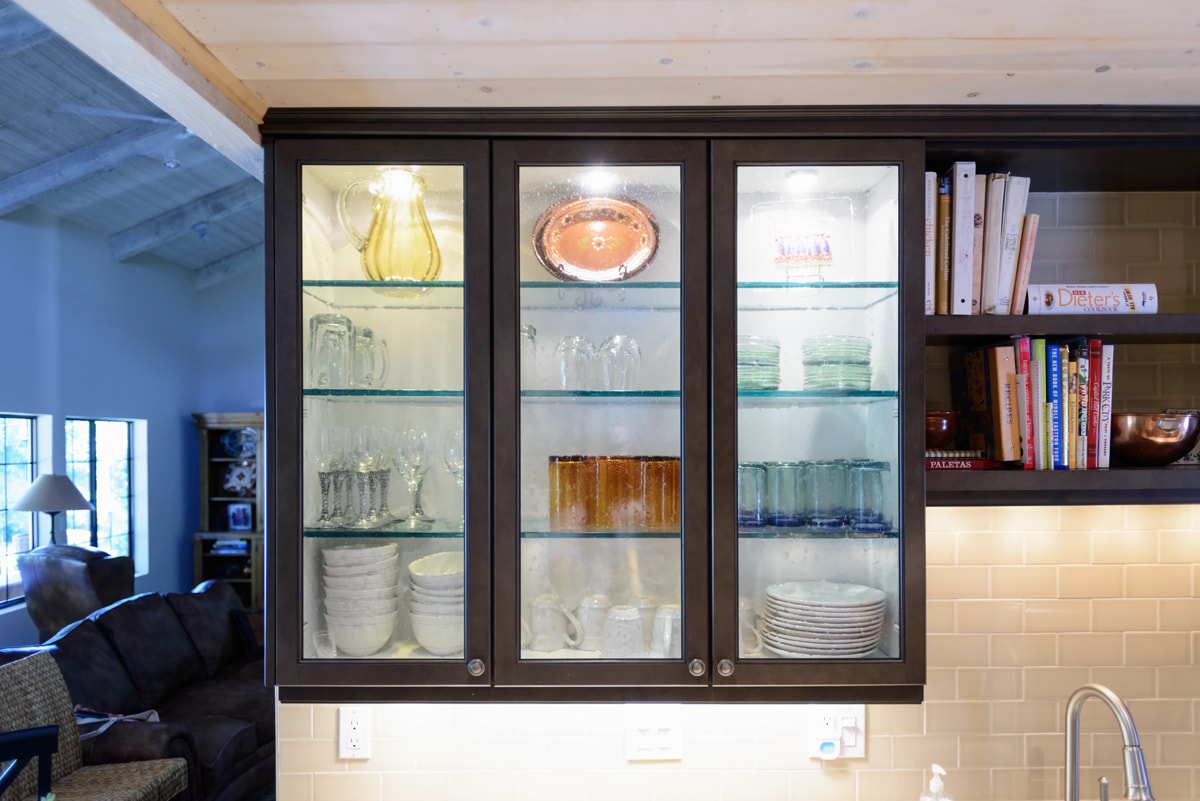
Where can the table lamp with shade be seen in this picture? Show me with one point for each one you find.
(51, 493)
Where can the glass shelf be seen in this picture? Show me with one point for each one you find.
(387, 294)
(393, 533)
(802, 533)
(413, 394)
(602, 395)
(816, 296)
(543, 534)
(785, 397)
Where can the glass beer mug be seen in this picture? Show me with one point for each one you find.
(399, 244)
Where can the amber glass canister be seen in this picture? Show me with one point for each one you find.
(572, 492)
(619, 504)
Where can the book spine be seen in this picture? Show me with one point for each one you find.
(1064, 427)
(1016, 195)
(1002, 374)
(977, 222)
(1094, 354)
(1071, 415)
(943, 253)
(962, 236)
(980, 426)
(1025, 400)
(1024, 262)
(1054, 401)
(954, 463)
(993, 229)
(1037, 374)
(1104, 424)
(1092, 298)
(1081, 432)
(931, 195)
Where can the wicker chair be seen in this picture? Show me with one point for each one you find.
(33, 695)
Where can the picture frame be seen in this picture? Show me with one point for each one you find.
(241, 517)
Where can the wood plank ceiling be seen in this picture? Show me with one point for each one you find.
(217, 65)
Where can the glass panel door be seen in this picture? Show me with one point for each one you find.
(600, 412)
(818, 435)
(384, 452)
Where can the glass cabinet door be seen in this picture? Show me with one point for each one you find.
(600, 266)
(385, 358)
(812, 486)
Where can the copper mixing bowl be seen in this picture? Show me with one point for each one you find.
(1154, 439)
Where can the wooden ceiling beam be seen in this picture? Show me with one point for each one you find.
(182, 220)
(20, 189)
(164, 64)
(252, 258)
(19, 31)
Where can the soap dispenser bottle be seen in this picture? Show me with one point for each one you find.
(936, 786)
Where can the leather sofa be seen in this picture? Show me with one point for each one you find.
(195, 658)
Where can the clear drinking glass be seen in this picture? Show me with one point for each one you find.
(620, 362)
(454, 457)
(413, 459)
(575, 356)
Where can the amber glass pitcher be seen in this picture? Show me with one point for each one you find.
(399, 244)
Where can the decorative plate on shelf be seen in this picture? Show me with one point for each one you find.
(240, 443)
(240, 478)
(595, 239)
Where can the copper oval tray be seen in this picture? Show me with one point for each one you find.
(595, 239)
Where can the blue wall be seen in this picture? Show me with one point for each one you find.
(87, 336)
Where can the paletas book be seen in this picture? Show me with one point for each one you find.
(961, 460)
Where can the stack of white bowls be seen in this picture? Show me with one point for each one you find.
(361, 600)
(437, 602)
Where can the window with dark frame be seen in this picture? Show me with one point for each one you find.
(100, 463)
(18, 449)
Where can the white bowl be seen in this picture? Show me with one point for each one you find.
(369, 582)
(440, 636)
(439, 592)
(436, 610)
(351, 608)
(375, 594)
(358, 619)
(442, 570)
(363, 570)
(345, 555)
(427, 597)
(354, 640)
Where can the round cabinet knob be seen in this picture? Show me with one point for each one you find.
(725, 667)
(697, 667)
(476, 667)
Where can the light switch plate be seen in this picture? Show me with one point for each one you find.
(653, 732)
(837, 731)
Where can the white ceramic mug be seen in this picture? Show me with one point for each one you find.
(667, 638)
(592, 612)
(550, 622)
(623, 633)
(646, 605)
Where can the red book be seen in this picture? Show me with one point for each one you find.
(1025, 400)
(1094, 347)
(962, 463)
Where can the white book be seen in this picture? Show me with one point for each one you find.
(930, 239)
(1104, 424)
(993, 239)
(1093, 298)
(1016, 196)
(962, 236)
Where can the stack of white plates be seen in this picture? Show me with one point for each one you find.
(757, 363)
(361, 601)
(837, 363)
(437, 602)
(822, 619)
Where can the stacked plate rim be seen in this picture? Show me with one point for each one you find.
(757, 362)
(436, 604)
(837, 362)
(361, 596)
(822, 619)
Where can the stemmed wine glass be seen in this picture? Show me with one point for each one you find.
(412, 459)
(330, 457)
(453, 455)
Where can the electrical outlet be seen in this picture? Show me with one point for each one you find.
(837, 731)
(653, 732)
(354, 732)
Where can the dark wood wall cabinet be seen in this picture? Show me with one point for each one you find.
(626, 405)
